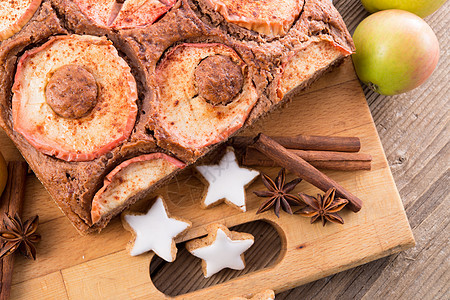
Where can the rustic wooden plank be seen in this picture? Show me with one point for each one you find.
(431, 253)
(414, 130)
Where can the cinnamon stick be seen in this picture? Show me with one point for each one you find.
(329, 160)
(307, 142)
(303, 169)
(11, 203)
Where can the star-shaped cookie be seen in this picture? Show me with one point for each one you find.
(221, 249)
(226, 181)
(155, 230)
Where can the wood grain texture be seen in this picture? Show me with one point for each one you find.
(50, 286)
(414, 130)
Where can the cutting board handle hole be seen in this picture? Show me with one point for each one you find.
(175, 278)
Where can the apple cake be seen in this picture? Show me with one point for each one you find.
(108, 99)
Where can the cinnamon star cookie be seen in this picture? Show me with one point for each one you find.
(155, 230)
(221, 249)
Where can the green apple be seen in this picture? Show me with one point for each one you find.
(422, 8)
(396, 51)
(3, 173)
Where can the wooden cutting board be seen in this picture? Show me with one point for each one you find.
(98, 267)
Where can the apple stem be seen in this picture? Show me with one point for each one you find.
(372, 86)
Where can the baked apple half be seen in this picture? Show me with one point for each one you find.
(203, 95)
(124, 14)
(99, 11)
(138, 13)
(74, 97)
(305, 63)
(269, 17)
(14, 15)
(130, 179)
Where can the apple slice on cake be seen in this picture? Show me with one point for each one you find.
(74, 97)
(203, 95)
(269, 17)
(14, 15)
(137, 13)
(124, 14)
(130, 179)
(99, 11)
(306, 63)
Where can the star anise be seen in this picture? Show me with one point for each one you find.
(19, 236)
(278, 193)
(324, 207)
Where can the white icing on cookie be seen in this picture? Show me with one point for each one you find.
(227, 181)
(223, 253)
(155, 231)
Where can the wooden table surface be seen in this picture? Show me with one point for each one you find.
(414, 130)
